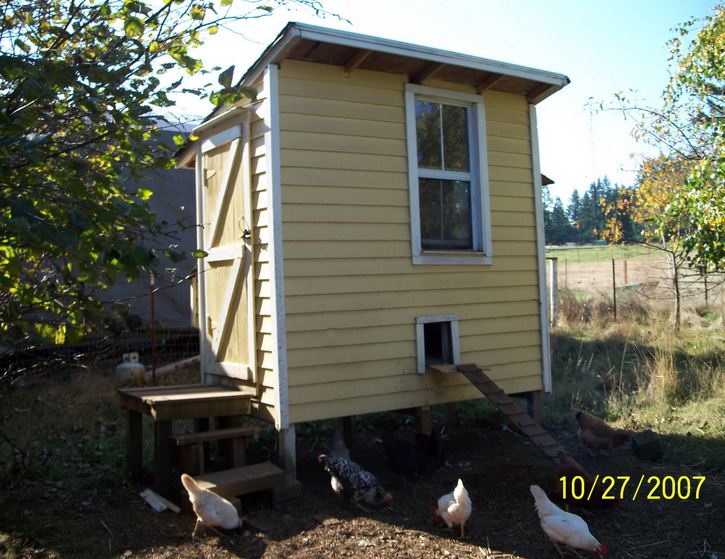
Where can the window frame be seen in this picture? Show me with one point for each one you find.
(481, 253)
(420, 323)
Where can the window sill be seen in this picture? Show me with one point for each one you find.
(449, 257)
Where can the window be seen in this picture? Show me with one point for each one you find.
(437, 341)
(448, 183)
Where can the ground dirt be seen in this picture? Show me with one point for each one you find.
(71, 500)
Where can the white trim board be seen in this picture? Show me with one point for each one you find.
(482, 249)
(420, 321)
(540, 251)
(274, 193)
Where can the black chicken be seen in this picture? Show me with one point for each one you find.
(407, 456)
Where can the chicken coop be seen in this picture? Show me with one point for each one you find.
(372, 217)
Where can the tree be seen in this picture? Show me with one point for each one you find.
(689, 129)
(80, 83)
(699, 85)
(560, 230)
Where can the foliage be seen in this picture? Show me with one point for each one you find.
(80, 83)
(689, 129)
(699, 84)
(588, 215)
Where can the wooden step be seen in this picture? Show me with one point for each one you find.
(243, 480)
(216, 435)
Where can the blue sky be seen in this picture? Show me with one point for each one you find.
(603, 46)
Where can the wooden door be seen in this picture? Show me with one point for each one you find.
(228, 291)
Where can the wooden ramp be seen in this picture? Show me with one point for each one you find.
(527, 424)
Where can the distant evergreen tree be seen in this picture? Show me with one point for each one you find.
(560, 230)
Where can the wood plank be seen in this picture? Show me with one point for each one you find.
(162, 457)
(329, 142)
(215, 435)
(243, 480)
(134, 443)
(531, 428)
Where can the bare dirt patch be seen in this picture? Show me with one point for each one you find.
(69, 499)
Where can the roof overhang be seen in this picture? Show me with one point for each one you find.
(352, 51)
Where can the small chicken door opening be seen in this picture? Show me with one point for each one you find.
(437, 341)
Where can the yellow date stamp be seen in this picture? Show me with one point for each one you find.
(652, 488)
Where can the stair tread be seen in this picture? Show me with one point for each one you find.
(244, 479)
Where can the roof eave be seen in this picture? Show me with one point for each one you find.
(293, 31)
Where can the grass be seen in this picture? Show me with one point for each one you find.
(638, 375)
(592, 253)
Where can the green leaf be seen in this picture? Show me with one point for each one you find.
(225, 78)
(144, 193)
(133, 26)
(199, 253)
(179, 139)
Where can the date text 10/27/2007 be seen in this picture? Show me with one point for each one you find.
(653, 488)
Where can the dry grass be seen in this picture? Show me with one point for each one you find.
(638, 374)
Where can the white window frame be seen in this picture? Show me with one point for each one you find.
(480, 205)
(420, 321)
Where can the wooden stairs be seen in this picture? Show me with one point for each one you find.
(525, 423)
(167, 404)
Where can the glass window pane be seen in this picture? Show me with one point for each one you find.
(429, 191)
(455, 138)
(428, 132)
(456, 210)
(445, 214)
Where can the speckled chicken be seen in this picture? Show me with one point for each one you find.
(212, 511)
(354, 483)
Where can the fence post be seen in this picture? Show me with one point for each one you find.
(553, 290)
(626, 278)
(614, 290)
(152, 326)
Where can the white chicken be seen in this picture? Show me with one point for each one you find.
(565, 527)
(211, 510)
(454, 508)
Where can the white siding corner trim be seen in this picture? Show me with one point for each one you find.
(204, 347)
(274, 191)
(540, 252)
(480, 200)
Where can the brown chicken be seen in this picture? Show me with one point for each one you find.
(597, 435)
(593, 491)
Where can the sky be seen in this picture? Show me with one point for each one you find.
(603, 46)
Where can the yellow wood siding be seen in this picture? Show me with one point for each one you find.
(351, 291)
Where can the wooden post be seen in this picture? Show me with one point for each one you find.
(287, 451)
(348, 432)
(626, 276)
(424, 420)
(705, 280)
(533, 404)
(162, 457)
(134, 443)
(614, 291)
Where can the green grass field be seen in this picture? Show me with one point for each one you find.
(596, 253)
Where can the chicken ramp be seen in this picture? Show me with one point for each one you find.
(525, 423)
